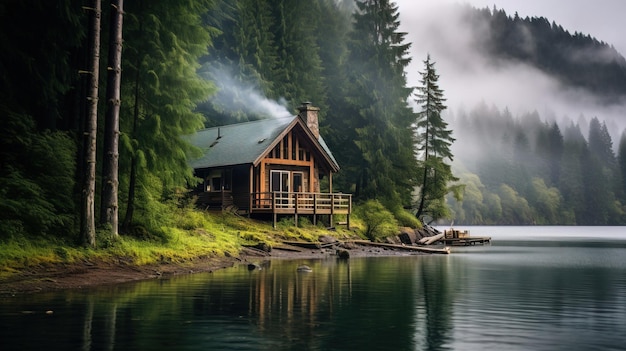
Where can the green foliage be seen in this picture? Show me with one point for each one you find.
(36, 63)
(379, 222)
(545, 201)
(406, 219)
(35, 196)
(621, 161)
(539, 175)
(163, 44)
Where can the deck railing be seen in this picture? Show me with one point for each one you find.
(301, 203)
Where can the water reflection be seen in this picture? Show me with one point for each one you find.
(361, 303)
(522, 297)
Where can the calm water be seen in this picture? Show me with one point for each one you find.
(534, 288)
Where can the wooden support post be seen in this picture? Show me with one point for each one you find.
(314, 209)
(251, 190)
(295, 208)
(273, 200)
(332, 208)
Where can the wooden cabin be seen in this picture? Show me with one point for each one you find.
(269, 167)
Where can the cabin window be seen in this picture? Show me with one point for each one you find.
(280, 186)
(280, 181)
(219, 180)
(300, 154)
(277, 151)
(285, 144)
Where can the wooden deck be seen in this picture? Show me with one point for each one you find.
(455, 237)
(466, 241)
(302, 203)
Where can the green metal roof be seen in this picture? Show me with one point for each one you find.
(245, 143)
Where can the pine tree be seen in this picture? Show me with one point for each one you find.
(243, 62)
(374, 131)
(40, 189)
(335, 24)
(621, 161)
(433, 143)
(165, 41)
(299, 65)
(599, 175)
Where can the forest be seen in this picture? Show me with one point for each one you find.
(190, 64)
(548, 169)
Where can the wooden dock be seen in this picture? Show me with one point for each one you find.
(466, 241)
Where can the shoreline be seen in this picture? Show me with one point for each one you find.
(86, 274)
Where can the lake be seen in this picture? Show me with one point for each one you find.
(533, 288)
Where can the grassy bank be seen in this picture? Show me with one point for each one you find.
(194, 234)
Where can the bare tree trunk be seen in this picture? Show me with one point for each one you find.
(420, 208)
(87, 218)
(110, 169)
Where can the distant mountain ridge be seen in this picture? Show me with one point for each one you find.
(576, 60)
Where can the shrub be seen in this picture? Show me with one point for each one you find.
(406, 218)
(379, 222)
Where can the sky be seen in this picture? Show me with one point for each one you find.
(467, 77)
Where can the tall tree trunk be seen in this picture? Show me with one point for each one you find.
(420, 208)
(87, 218)
(110, 168)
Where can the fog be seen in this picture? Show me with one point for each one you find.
(468, 76)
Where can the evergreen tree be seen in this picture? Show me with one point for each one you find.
(571, 175)
(600, 143)
(599, 175)
(41, 42)
(243, 62)
(434, 140)
(164, 43)
(336, 25)
(555, 153)
(621, 160)
(299, 65)
(374, 131)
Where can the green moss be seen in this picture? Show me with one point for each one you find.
(189, 234)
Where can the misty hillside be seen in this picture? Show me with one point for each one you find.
(577, 59)
(558, 157)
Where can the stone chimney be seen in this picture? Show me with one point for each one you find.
(309, 114)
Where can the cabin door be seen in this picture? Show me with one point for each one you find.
(298, 185)
(280, 186)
